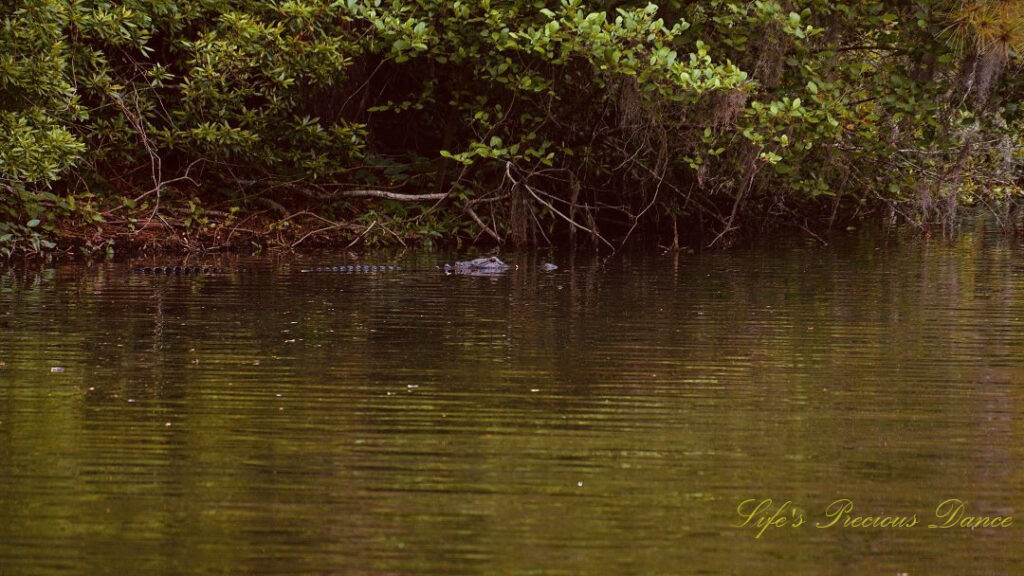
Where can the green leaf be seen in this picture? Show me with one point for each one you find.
(33, 223)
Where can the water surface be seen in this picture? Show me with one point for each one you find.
(607, 418)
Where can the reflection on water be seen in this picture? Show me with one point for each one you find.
(605, 418)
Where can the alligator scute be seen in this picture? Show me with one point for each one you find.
(354, 268)
(179, 270)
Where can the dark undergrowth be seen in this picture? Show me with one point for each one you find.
(199, 126)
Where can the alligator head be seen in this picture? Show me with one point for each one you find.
(478, 266)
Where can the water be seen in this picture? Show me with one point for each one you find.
(607, 418)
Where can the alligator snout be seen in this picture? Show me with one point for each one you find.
(487, 265)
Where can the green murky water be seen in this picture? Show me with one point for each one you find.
(607, 418)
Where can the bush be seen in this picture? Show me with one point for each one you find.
(526, 119)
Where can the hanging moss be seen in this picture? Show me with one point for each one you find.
(199, 123)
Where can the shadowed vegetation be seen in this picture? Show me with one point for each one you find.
(201, 124)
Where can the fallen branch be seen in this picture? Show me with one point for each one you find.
(393, 195)
(318, 192)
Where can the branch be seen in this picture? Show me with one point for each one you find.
(319, 193)
(319, 230)
(360, 237)
(393, 195)
(485, 227)
(508, 173)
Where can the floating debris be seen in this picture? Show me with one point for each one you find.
(56, 369)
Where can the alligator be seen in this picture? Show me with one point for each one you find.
(477, 266)
(195, 270)
(487, 266)
(352, 268)
(180, 270)
(491, 265)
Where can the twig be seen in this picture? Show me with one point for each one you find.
(748, 181)
(360, 237)
(393, 233)
(636, 220)
(163, 184)
(721, 234)
(540, 228)
(508, 173)
(813, 235)
(238, 227)
(311, 214)
(155, 162)
(999, 220)
(317, 231)
(484, 226)
(276, 206)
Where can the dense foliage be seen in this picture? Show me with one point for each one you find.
(213, 121)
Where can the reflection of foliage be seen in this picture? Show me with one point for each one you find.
(524, 119)
(263, 437)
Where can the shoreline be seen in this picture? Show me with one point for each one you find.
(161, 242)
